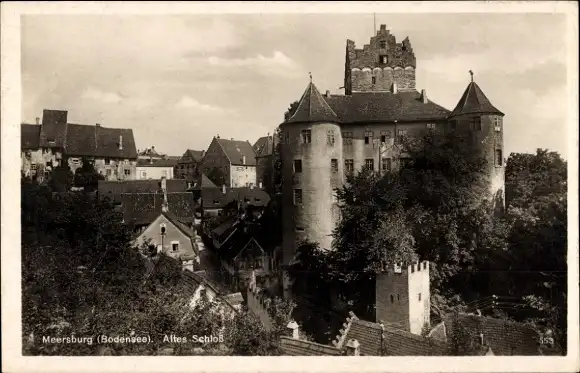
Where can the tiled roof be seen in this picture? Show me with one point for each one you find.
(236, 149)
(143, 208)
(474, 101)
(264, 146)
(367, 107)
(29, 136)
(395, 342)
(165, 162)
(193, 279)
(191, 156)
(204, 184)
(54, 128)
(114, 189)
(97, 141)
(149, 152)
(296, 347)
(505, 337)
(254, 196)
(313, 108)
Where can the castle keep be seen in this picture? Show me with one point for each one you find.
(330, 136)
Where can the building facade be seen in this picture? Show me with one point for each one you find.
(230, 162)
(54, 141)
(331, 136)
(155, 169)
(189, 165)
(264, 149)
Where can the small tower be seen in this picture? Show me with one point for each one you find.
(402, 297)
(475, 114)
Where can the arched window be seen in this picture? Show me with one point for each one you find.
(392, 299)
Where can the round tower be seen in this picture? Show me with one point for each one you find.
(312, 167)
(475, 113)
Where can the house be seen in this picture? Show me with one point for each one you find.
(214, 200)
(264, 149)
(155, 168)
(150, 154)
(114, 190)
(230, 162)
(189, 165)
(55, 141)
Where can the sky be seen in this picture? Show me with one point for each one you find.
(178, 81)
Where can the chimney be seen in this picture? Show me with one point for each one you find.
(37, 120)
(424, 96)
(243, 159)
(352, 347)
(394, 88)
(292, 329)
(231, 138)
(120, 142)
(98, 124)
(218, 136)
(383, 27)
(223, 188)
(327, 93)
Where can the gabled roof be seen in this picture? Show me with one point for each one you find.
(504, 337)
(369, 107)
(29, 136)
(191, 156)
(296, 347)
(264, 146)
(474, 101)
(235, 150)
(54, 128)
(313, 108)
(202, 182)
(98, 141)
(143, 208)
(388, 341)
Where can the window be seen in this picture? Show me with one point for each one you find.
(386, 164)
(127, 172)
(297, 165)
(33, 166)
(384, 136)
(347, 138)
(299, 229)
(401, 135)
(383, 44)
(419, 297)
(374, 79)
(497, 124)
(370, 164)
(297, 196)
(258, 263)
(368, 137)
(107, 161)
(498, 157)
(306, 136)
(216, 202)
(476, 123)
(175, 245)
(392, 299)
(430, 126)
(334, 165)
(143, 174)
(330, 137)
(286, 137)
(384, 59)
(349, 166)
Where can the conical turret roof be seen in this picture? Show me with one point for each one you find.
(474, 101)
(313, 108)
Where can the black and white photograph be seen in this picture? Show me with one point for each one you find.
(284, 182)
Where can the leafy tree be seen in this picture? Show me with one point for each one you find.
(87, 176)
(61, 178)
(291, 110)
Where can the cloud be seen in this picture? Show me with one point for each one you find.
(96, 94)
(187, 102)
(278, 62)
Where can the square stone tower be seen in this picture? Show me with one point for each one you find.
(402, 297)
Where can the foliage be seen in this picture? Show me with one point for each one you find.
(61, 178)
(87, 176)
(291, 110)
(217, 176)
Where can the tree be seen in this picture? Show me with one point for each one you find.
(291, 110)
(61, 178)
(87, 176)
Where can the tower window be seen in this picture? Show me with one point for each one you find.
(476, 123)
(374, 79)
(497, 124)
(384, 59)
(370, 164)
(297, 196)
(368, 137)
(334, 165)
(330, 137)
(347, 138)
(297, 165)
(306, 136)
(498, 157)
(349, 166)
(383, 44)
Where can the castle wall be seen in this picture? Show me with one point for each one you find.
(257, 305)
(377, 79)
(397, 300)
(310, 219)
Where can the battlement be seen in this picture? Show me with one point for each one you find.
(259, 304)
(339, 340)
(410, 269)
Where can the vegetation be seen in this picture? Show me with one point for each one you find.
(82, 277)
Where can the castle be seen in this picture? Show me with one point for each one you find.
(330, 136)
